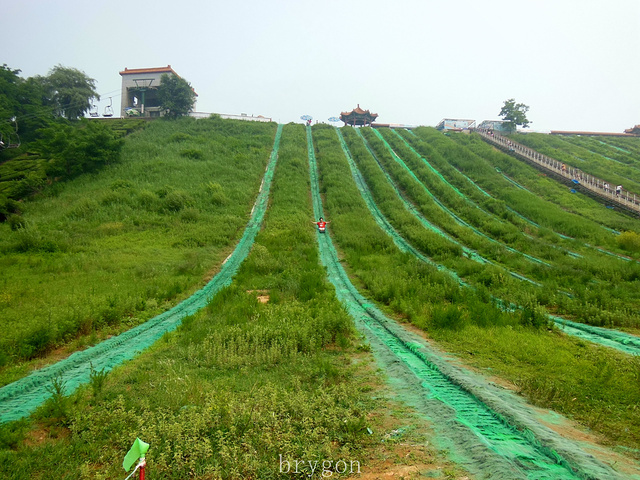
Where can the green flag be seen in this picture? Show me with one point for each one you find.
(136, 452)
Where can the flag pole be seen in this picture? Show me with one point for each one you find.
(136, 452)
(143, 464)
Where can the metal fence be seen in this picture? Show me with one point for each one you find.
(597, 186)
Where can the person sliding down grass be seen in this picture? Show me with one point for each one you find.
(322, 225)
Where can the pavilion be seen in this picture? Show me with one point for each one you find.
(358, 117)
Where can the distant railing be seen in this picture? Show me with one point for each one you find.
(599, 187)
(250, 118)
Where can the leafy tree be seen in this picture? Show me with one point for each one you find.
(69, 91)
(9, 84)
(514, 114)
(21, 108)
(176, 96)
(9, 100)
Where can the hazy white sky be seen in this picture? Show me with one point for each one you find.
(574, 62)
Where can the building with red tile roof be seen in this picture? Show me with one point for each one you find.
(139, 91)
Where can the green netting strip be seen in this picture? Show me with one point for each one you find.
(604, 336)
(424, 161)
(20, 398)
(474, 184)
(450, 396)
(518, 214)
(531, 222)
(618, 340)
(382, 221)
(458, 220)
(472, 254)
(410, 207)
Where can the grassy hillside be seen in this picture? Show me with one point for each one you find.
(240, 387)
(616, 167)
(273, 366)
(106, 251)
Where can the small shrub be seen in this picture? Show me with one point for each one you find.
(84, 208)
(630, 241)
(57, 406)
(7, 207)
(96, 380)
(147, 200)
(30, 239)
(175, 201)
(121, 184)
(179, 137)
(216, 193)
(114, 197)
(192, 153)
(12, 434)
(190, 215)
(534, 315)
(448, 317)
(164, 191)
(16, 222)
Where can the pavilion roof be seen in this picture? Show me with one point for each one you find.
(358, 111)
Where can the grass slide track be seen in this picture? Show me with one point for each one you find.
(456, 218)
(444, 208)
(22, 397)
(621, 341)
(476, 186)
(528, 220)
(490, 429)
(382, 221)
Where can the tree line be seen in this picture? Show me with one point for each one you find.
(44, 134)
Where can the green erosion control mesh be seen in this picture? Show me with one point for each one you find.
(464, 408)
(531, 222)
(458, 220)
(431, 167)
(382, 221)
(603, 336)
(470, 202)
(610, 338)
(519, 215)
(472, 254)
(20, 398)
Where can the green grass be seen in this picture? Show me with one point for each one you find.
(112, 249)
(551, 369)
(238, 384)
(242, 382)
